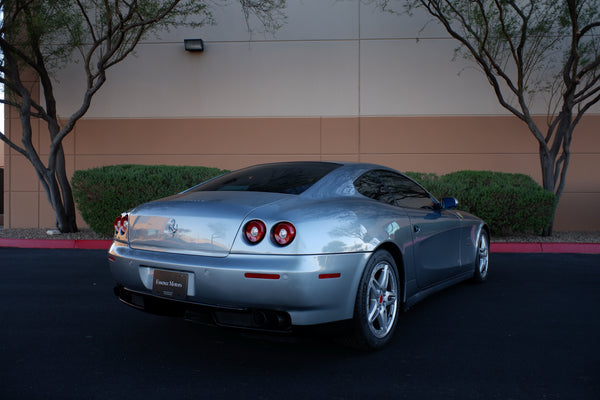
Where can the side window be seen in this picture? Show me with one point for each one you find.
(370, 185)
(406, 192)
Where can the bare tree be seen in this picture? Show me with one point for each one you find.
(39, 36)
(529, 49)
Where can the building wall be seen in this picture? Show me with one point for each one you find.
(425, 144)
(340, 81)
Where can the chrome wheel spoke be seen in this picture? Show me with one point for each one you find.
(381, 300)
(372, 312)
(483, 255)
(390, 299)
(374, 286)
(385, 277)
(382, 319)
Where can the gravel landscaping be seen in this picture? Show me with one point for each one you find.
(557, 237)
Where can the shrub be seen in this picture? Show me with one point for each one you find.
(103, 193)
(509, 203)
(432, 182)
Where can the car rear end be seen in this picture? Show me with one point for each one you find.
(193, 255)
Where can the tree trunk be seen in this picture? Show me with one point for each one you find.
(547, 164)
(555, 155)
(58, 190)
(69, 224)
(61, 202)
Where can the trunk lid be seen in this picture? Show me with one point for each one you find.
(200, 223)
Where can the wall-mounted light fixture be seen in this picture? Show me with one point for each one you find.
(193, 44)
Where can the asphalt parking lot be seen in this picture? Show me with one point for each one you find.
(530, 332)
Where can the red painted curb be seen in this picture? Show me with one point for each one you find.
(56, 244)
(93, 244)
(510, 247)
(495, 247)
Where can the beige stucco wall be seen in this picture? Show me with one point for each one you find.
(426, 144)
(339, 81)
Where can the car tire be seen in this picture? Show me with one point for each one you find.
(482, 258)
(377, 304)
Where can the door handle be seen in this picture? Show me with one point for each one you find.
(416, 228)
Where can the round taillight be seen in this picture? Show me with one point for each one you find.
(117, 225)
(124, 224)
(255, 231)
(284, 233)
(121, 224)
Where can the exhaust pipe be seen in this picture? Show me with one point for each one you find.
(272, 320)
(260, 319)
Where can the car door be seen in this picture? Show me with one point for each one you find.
(436, 232)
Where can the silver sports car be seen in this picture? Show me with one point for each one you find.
(275, 246)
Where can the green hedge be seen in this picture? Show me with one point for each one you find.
(509, 203)
(104, 193)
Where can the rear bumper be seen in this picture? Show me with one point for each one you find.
(256, 319)
(241, 289)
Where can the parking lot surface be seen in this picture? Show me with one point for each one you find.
(530, 332)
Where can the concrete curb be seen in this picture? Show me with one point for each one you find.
(495, 247)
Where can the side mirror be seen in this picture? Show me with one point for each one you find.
(448, 203)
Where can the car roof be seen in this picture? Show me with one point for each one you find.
(340, 182)
(337, 182)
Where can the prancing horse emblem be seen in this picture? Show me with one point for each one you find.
(172, 227)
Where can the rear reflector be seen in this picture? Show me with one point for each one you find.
(261, 276)
(329, 276)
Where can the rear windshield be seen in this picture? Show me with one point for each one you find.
(290, 178)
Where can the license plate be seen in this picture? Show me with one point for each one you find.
(170, 284)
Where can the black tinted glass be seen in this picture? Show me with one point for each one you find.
(371, 186)
(291, 178)
(406, 192)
